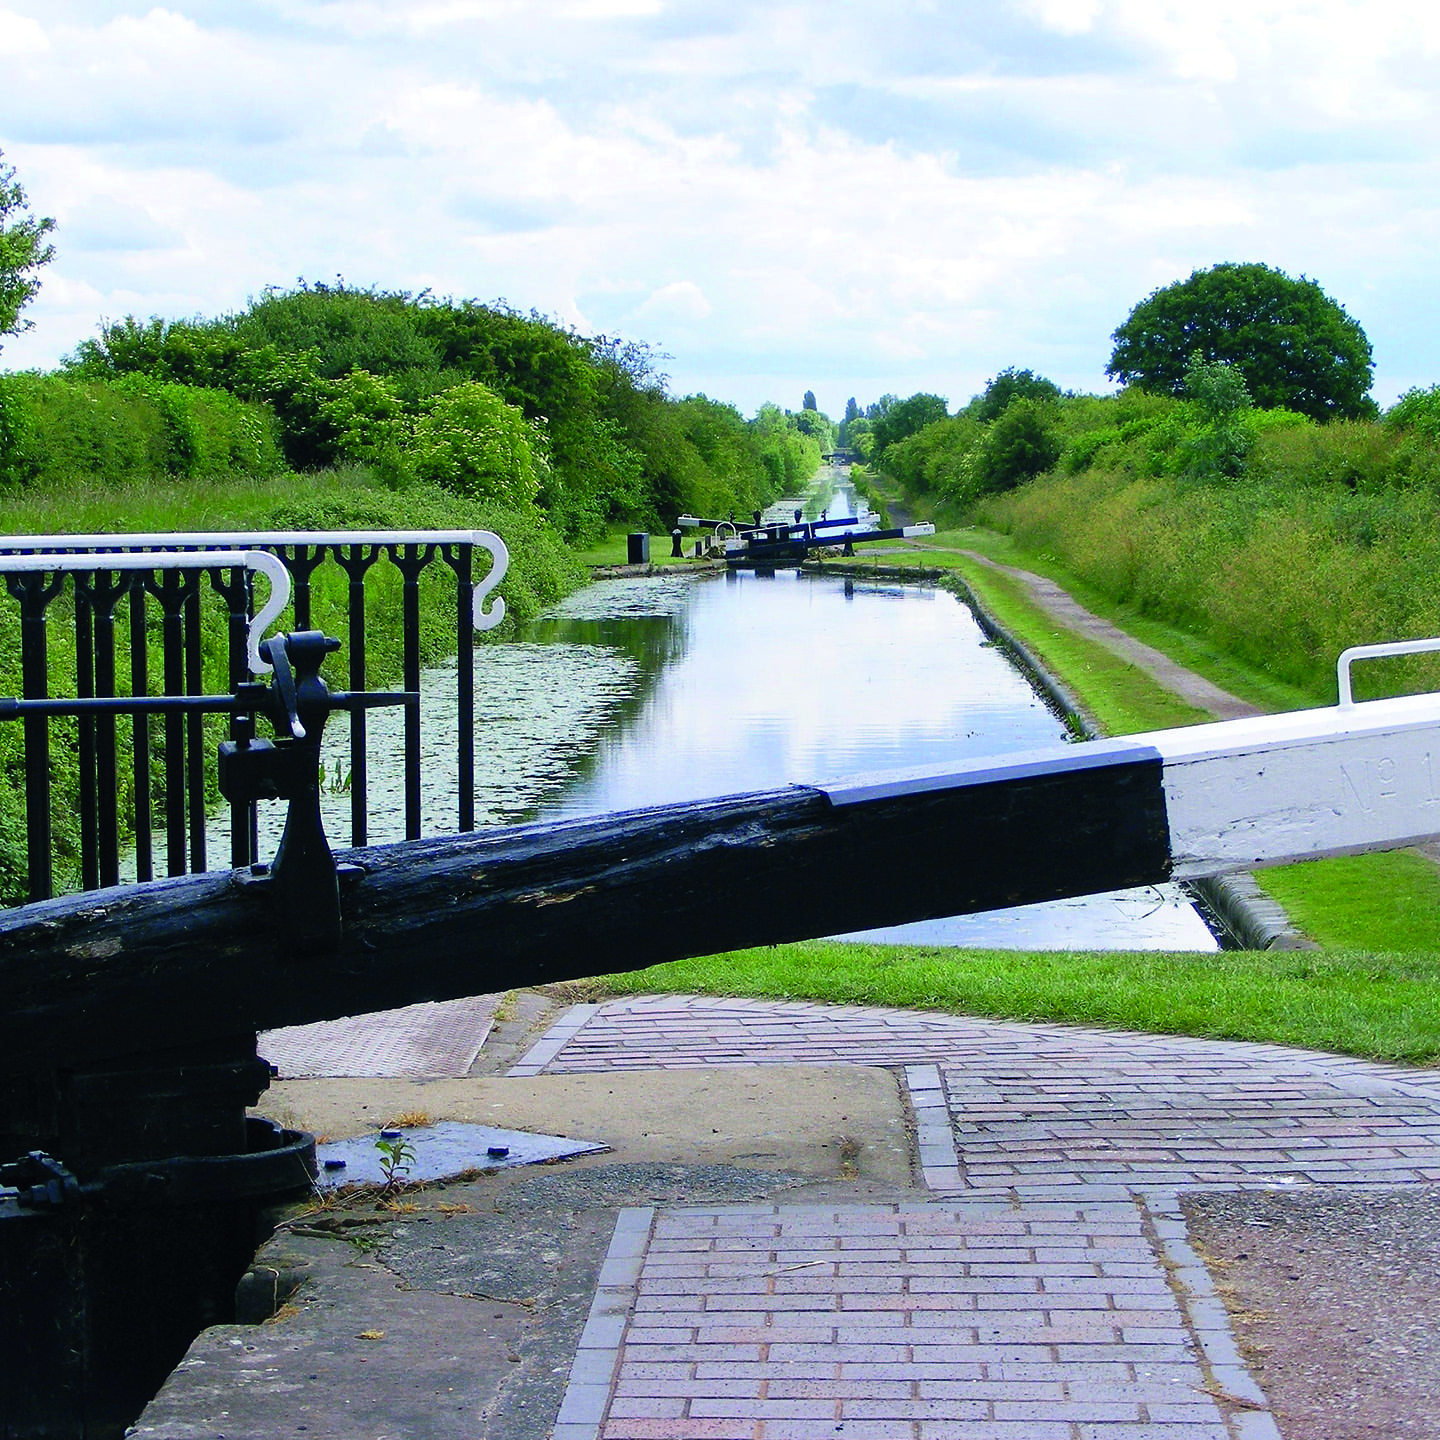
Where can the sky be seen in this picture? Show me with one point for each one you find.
(850, 198)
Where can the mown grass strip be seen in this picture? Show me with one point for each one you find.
(1384, 1006)
(613, 549)
(1193, 652)
(1390, 901)
(1121, 696)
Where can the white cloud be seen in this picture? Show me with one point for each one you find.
(1068, 17)
(773, 192)
(20, 35)
(681, 301)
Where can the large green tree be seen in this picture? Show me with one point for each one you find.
(23, 250)
(1023, 443)
(904, 417)
(1008, 385)
(413, 384)
(1296, 348)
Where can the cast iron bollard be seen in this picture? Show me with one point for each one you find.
(676, 553)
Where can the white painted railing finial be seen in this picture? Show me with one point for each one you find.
(488, 619)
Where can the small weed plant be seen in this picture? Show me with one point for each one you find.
(397, 1157)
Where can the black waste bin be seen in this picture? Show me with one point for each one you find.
(638, 549)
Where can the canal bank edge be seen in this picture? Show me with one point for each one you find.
(1250, 916)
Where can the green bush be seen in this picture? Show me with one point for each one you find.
(1081, 450)
(53, 426)
(1354, 454)
(369, 423)
(615, 445)
(939, 460)
(209, 432)
(1417, 412)
(897, 419)
(1023, 443)
(470, 441)
(1220, 443)
(72, 427)
(1283, 575)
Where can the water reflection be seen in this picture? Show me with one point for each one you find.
(675, 687)
(785, 678)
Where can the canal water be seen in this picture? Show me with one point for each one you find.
(638, 692)
(776, 679)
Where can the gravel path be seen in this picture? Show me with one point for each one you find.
(1334, 1299)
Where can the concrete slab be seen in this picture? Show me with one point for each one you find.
(358, 1355)
(825, 1121)
(442, 1152)
(431, 1039)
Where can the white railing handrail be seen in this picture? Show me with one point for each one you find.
(481, 617)
(1375, 652)
(262, 560)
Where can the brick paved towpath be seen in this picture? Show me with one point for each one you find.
(1042, 1290)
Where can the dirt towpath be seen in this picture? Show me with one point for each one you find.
(1194, 689)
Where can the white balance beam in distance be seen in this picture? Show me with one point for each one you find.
(1244, 794)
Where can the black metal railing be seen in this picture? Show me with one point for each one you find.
(123, 588)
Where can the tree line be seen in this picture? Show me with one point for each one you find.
(1210, 365)
(492, 404)
(480, 399)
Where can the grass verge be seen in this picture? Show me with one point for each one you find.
(1390, 901)
(1384, 1006)
(1121, 696)
(611, 549)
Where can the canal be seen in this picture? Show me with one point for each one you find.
(646, 691)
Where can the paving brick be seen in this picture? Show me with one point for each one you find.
(1048, 1134)
(995, 1430)
(688, 1428)
(633, 1385)
(1124, 1109)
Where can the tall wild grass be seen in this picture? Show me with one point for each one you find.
(1329, 538)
